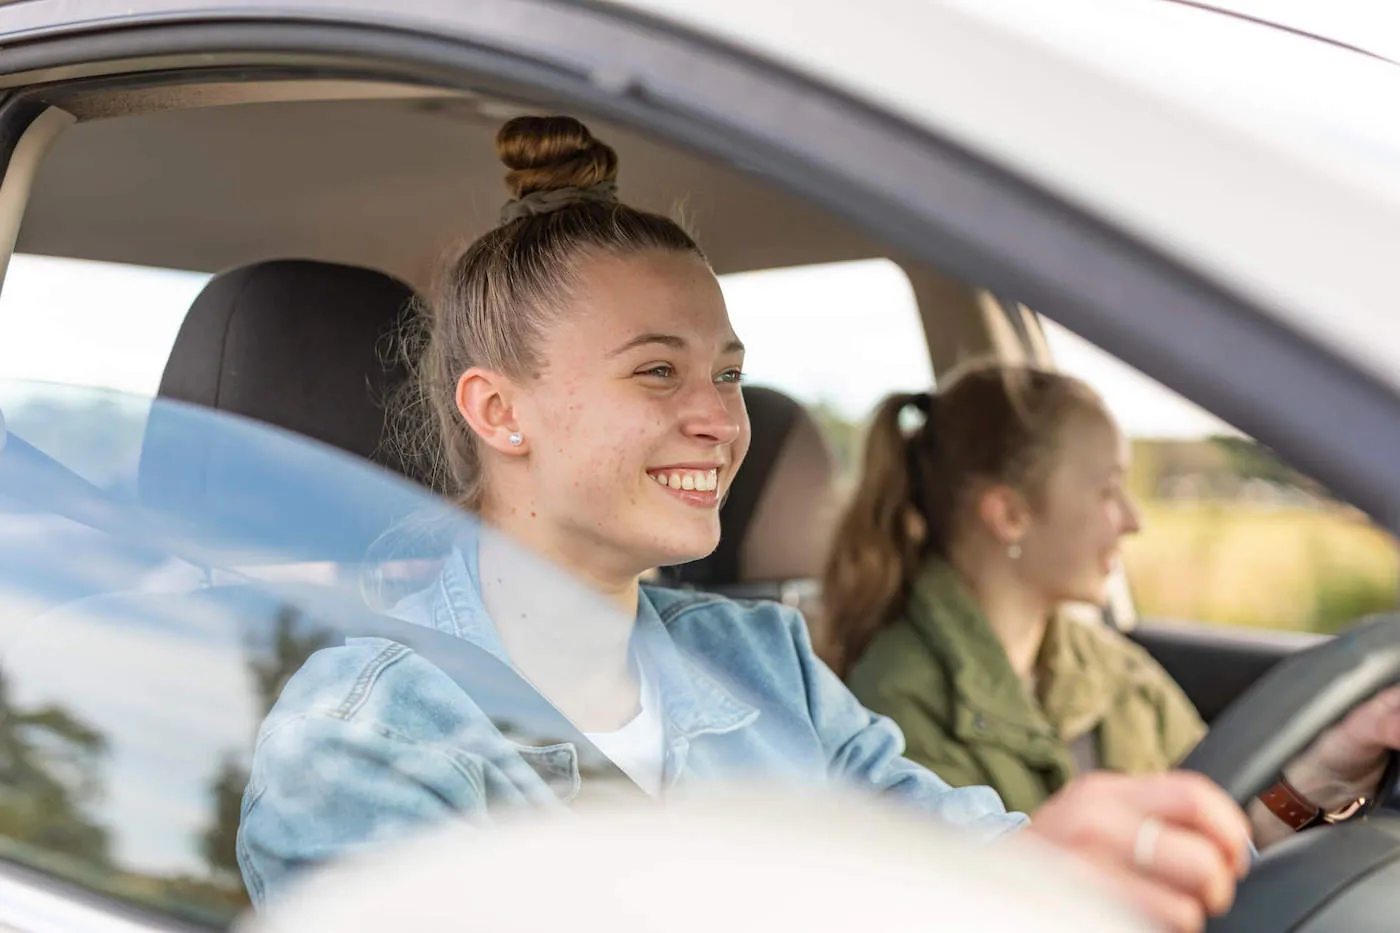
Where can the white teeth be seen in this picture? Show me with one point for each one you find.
(690, 480)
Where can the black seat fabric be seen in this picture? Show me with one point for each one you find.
(299, 344)
(305, 346)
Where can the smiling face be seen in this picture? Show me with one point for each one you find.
(1072, 538)
(635, 425)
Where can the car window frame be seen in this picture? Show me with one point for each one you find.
(931, 199)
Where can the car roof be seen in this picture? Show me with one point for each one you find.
(1267, 161)
(1361, 25)
(385, 177)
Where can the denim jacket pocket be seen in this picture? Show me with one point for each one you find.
(556, 765)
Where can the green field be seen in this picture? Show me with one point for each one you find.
(1286, 568)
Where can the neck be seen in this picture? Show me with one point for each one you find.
(587, 561)
(1017, 614)
(566, 627)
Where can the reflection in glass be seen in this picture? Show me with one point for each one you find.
(165, 571)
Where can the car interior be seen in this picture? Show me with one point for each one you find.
(325, 206)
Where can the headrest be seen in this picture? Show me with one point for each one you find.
(777, 520)
(302, 345)
(305, 346)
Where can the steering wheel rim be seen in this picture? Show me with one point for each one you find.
(1274, 721)
(1294, 703)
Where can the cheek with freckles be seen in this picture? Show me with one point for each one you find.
(590, 457)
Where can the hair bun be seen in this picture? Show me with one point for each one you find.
(549, 153)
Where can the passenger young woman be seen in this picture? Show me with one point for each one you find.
(945, 590)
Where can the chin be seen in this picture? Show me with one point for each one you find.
(679, 548)
(1092, 592)
(685, 552)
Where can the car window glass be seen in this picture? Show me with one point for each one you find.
(147, 634)
(798, 326)
(1232, 535)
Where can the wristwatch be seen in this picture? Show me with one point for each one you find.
(1298, 812)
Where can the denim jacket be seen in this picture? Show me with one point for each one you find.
(369, 742)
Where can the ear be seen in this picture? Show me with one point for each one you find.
(1005, 513)
(484, 399)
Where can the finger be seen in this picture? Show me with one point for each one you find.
(1194, 803)
(1180, 859)
(1377, 721)
(1165, 905)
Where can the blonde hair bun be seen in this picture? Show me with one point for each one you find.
(550, 153)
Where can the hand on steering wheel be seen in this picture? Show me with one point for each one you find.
(1173, 844)
(1347, 761)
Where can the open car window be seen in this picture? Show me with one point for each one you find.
(796, 324)
(115, 322)
(1232, 535)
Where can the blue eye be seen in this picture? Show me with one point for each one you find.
(731, 376)
(659, 371)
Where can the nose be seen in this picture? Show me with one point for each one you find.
(713, 415)
(1132, 515)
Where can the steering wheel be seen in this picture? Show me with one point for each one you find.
(1331, 879)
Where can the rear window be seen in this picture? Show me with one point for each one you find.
(838, 337)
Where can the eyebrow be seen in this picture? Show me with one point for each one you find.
(667, 340)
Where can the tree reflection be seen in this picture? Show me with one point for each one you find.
(272, 661)
(49, 773)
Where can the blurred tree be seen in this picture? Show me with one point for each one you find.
(1249, 459)
(49, 773)
(272, 663)
(845, 436)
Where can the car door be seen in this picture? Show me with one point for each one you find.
(933, 196)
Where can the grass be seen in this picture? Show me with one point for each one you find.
(1287, 568)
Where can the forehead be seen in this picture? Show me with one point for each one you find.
(1090, 440)
(617, 298)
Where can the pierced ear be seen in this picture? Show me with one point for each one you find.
(1005, 513)
(484, 402)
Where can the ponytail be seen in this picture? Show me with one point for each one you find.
(881, 538)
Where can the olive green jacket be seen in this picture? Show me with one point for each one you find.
(942, 675)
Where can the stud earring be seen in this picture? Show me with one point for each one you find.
(1014, 552)
(516, 439)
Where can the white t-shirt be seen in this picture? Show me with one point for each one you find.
(638, 748)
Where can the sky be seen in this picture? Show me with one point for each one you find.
(111, 326)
